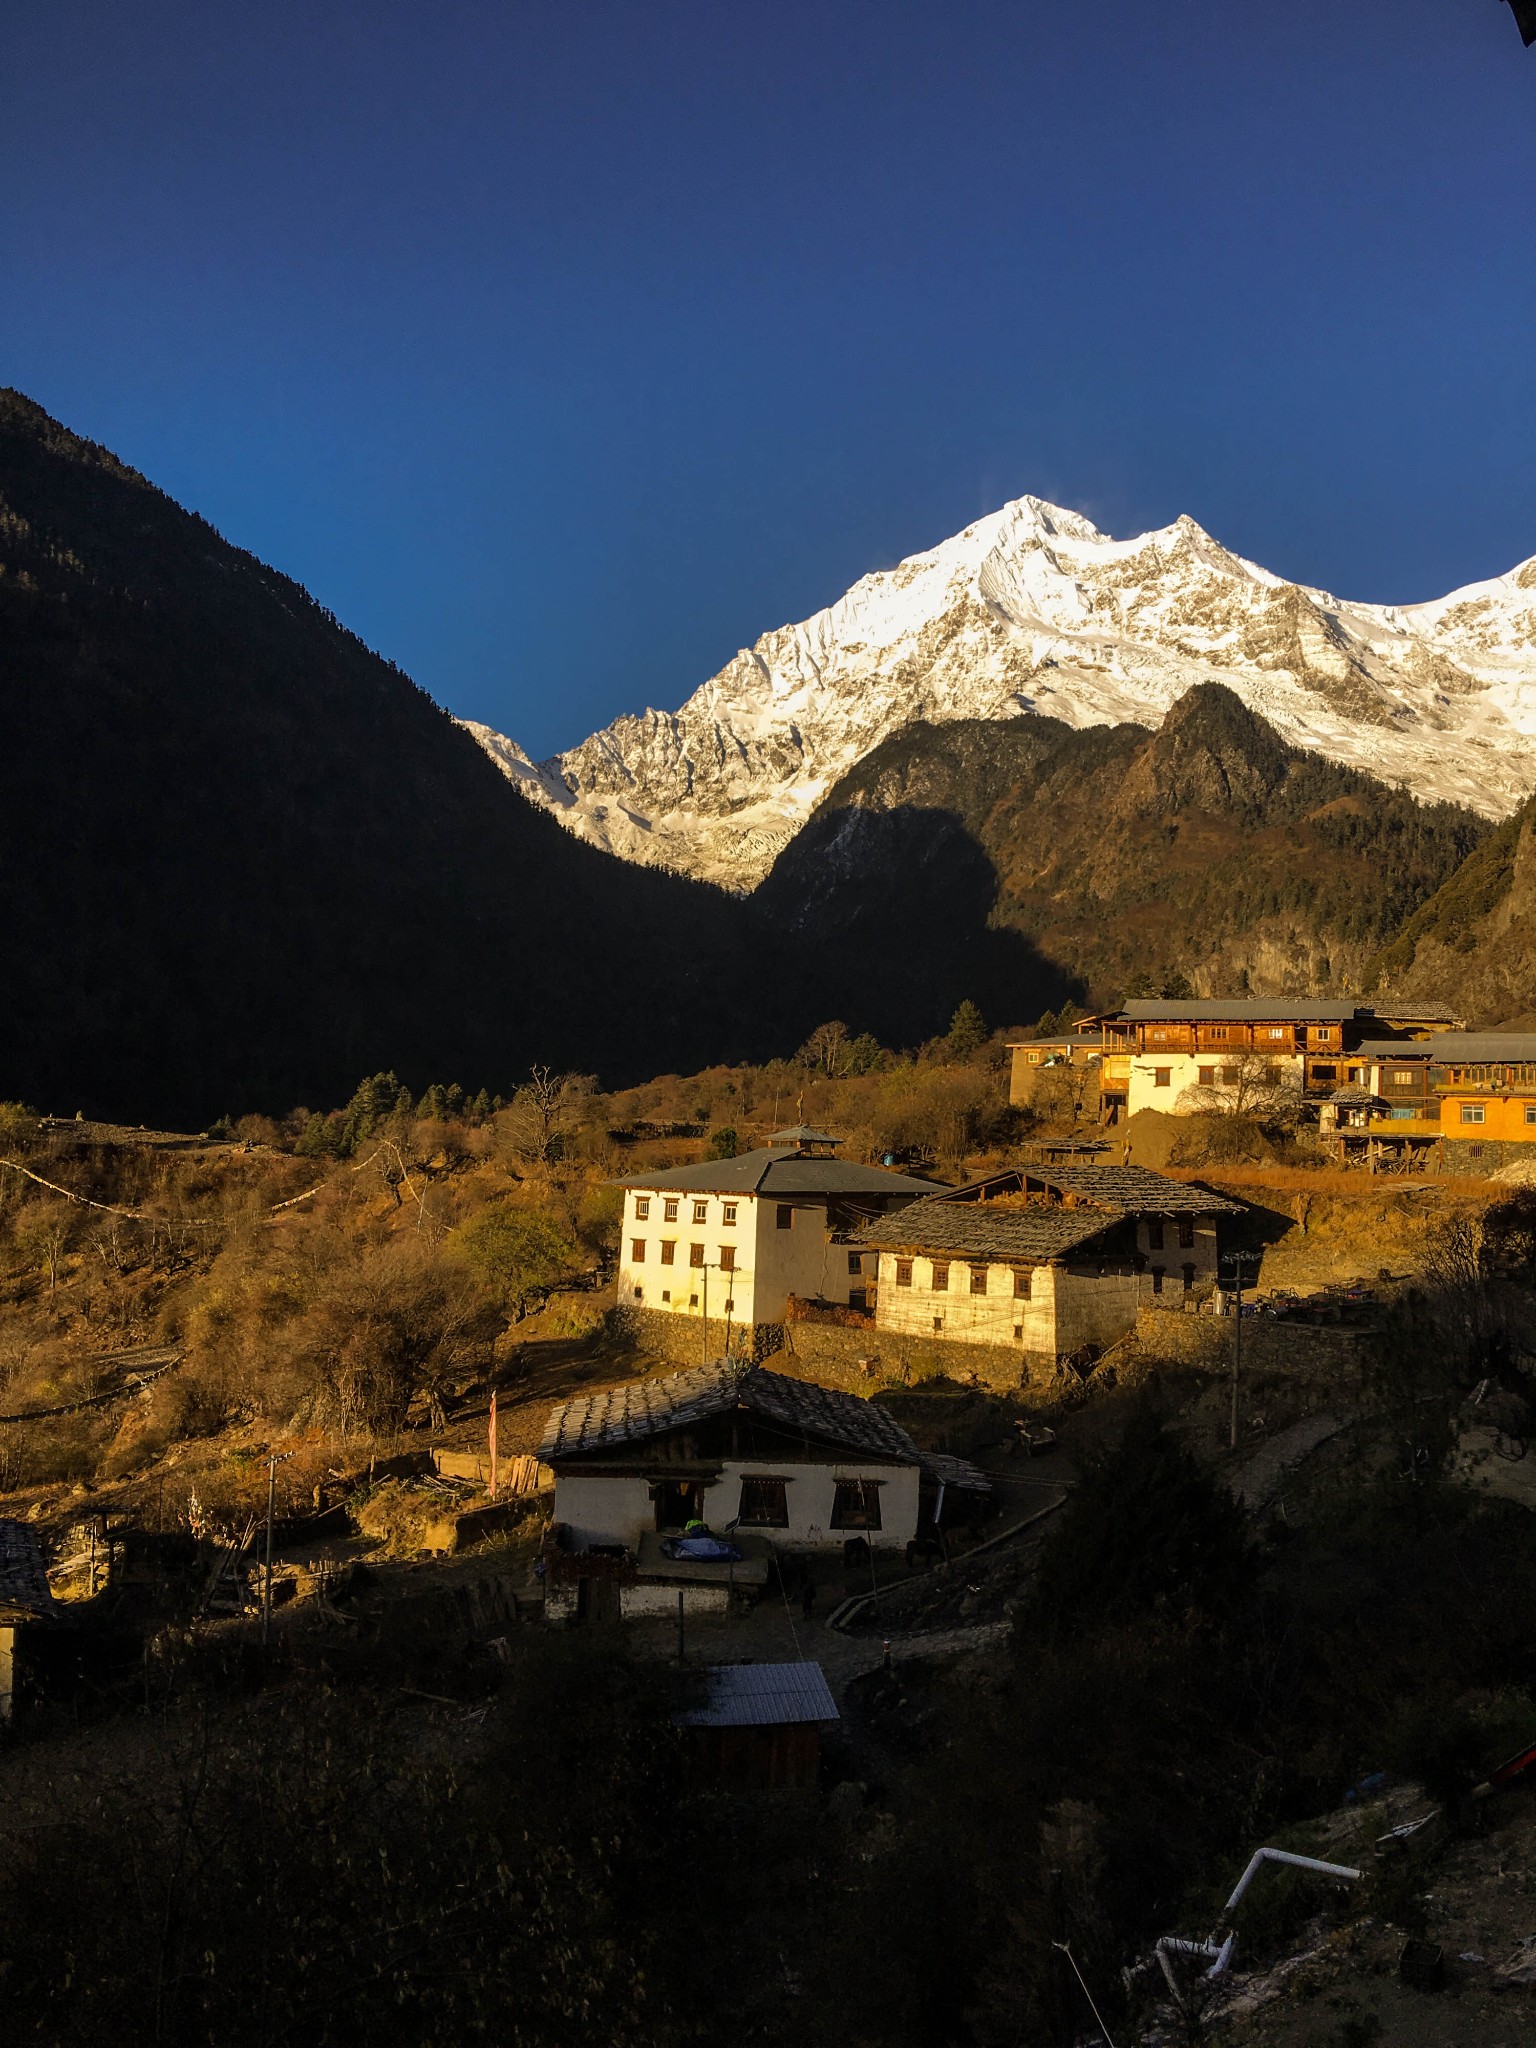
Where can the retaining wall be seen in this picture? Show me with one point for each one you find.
(1288, 1351)
(860, 1360)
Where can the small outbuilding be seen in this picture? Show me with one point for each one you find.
(25, 1599)
(761, 1725)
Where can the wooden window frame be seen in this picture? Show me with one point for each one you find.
(866, 1515)
(637, 1251)
(777, 1501)
(669, 1251)
(1023, 1282)
(701, 1212)
(939, 1275)
(695, 1256)
(727, 1258)
(642, 1208)
(979, 1273)
(903, 1272)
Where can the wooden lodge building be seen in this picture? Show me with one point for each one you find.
(1182, 1057)
(1456, 1102)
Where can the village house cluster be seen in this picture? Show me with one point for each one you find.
(1387, 1084)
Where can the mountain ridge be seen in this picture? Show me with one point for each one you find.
(1033, 610)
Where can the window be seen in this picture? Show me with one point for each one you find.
(1403, 1115)
(695, 1255)
(1154, 1233)
(1274, 1031)
(1018, 1331)
(700, 1211)
(1186, 1231)
(1530, 1112)
(1324, 1034)
(856, 1504)
(978, 1279)
(1159, 1036)
(637, 1251)
(730, 1308)
(1218, 1031)
(938, 1323)
(856, 1262)
(666, 1294)
(693, 1301)
(727, 1258)
(1022, 1276)
(1189, 1277)
(1229, 1077)
(642, 1207)
(728, 1215)
(1207, 1077)
(764, 1504)
(1473, 1113)
(785, 1220)
(941, 1276)
(1162, 1077)
(639, 1294)
(903, 1272)
(1325, 1070)
(669, 1212)
(1401, 1079)
(1157, 1279)
(668, 1250)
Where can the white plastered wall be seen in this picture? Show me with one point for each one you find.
(967, 1318)
(618, 1507)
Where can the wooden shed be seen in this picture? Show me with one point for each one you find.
(760, 1726)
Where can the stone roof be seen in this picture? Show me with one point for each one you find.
(645, 1409)
(25, 1594)
(987, 1230)
(1133, 1188)
(959, 1221)
(771, 1170)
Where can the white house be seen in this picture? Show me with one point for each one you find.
(738, 1448)
(733, 1239)
(1044, 1261)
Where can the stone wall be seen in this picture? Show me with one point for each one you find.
(861, 1360)
(689, 1340)
(1284, 1350)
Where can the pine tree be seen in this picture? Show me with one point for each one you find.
(967, 1032)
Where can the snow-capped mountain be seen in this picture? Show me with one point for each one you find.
(1032, 609)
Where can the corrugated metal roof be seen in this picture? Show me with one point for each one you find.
(773, 1171)
(763, 1696)
(1480, 1048)
(1244, 1012)
(651, 1408)
(25, 1594)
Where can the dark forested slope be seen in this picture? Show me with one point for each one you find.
(1021, 861)
(244, 860)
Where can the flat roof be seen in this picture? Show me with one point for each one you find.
(762, 1696)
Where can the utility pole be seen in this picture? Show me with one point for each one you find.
(273, 1461)
(1237, 1260)
(492, 1443)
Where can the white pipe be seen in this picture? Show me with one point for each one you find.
(1296, 1862)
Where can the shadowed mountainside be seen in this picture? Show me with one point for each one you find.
(243, 859)
(1209, 850)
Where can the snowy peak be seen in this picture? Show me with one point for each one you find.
(1032, 608)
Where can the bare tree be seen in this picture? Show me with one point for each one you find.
(545, 1112)
(826, 1051)
(1252, 1086)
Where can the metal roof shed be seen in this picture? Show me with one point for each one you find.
(760, 1725)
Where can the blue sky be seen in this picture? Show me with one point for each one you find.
(563, 348)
